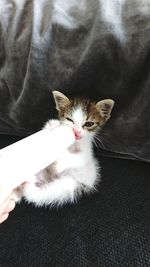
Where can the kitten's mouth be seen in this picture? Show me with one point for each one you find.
(78, 137)
(77, 134)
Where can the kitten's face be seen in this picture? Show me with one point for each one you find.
(83, 116)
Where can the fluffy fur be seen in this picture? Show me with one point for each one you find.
(76, 171)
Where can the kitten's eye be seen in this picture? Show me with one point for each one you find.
(68, 119)
(88, 124)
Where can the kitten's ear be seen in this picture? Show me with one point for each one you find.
(60, 99)
(105, 107)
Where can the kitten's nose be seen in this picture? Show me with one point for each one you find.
(77, 133)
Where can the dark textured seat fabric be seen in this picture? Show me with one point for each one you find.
(109, 228)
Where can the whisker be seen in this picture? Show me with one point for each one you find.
(98, 142)
(95, 143)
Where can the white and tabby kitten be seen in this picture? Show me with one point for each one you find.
(76, 170)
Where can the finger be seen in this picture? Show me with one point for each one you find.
(4, 195)
(11, 205)
(4, 204)
(4, 217)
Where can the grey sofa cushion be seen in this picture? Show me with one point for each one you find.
(98, 49)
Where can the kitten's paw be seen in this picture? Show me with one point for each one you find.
(51, 124)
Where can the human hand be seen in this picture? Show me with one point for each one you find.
(7, 204)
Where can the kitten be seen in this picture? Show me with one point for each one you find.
(76, 171)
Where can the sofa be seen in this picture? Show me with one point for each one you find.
(96, 49)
